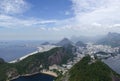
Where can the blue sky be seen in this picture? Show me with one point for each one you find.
(50, 9)
(55, 19)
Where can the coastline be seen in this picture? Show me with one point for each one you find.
(21, 58)
(50, 73)
(41, 49)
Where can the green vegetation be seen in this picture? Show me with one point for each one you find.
(86, 71)
(32, 63)
(2, 71)
(83, 71)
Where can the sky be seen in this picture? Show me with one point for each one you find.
(56, 19)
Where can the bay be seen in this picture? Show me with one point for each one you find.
(114, 63)
(36, 77)
(12, 50)
(12, 53)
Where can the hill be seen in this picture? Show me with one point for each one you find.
(64, 42)
(1, 61)
(45, 43)
(88, 70)
(80, 43)
(35, 63)
(112, 39)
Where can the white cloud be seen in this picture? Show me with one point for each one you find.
(96, 24)
(91, 17)
(10, 22)
(13, 6)
(116, 25)
(97, 14)
(8, 9)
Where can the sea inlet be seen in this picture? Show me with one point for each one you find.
(36, 77)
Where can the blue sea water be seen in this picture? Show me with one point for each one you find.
(12, 53)
(114, 63)
(36, 77)
(12, 50)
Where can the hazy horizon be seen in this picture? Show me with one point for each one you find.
(56, 19)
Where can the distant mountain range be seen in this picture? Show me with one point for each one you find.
(45, 43)
(90, 70)
(85, 70)
(112, 39)
(80, 43)
(67, 42)
(85, 39)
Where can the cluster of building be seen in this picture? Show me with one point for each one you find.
(65, 67)
(101, 51)
(92, 48)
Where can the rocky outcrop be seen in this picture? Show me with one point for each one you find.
(12, 72)
(56, 58)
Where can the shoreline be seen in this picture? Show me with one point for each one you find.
(23, 57)
(41, 49)
(50, 73)
(28, 75)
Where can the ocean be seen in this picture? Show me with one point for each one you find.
(12, 50)
(114, 63)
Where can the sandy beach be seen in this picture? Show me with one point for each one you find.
(42, 48)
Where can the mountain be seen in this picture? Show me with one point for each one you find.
(64, 42)
(86, 38)
(90, 70)
(80, 43)
(112, 39)
(35, 63)
(1, 61)
(45, 43)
